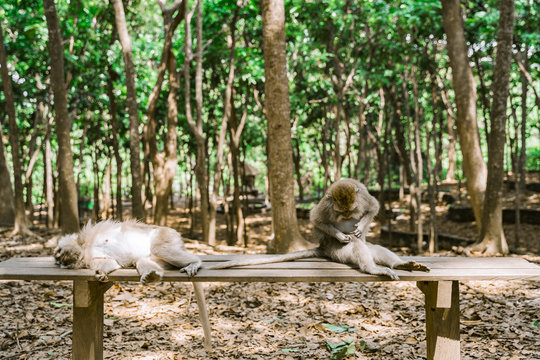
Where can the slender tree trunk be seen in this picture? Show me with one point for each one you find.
(465, 90)
(67, 190)
(451, 138)
(134, 140)
(49, 181)
(7, 213)
(493, 239)
(105, 190)
(196, 126)
(21, 222)
(285, 224)
(116, 148)
(419, 163)
(235, 133)
(220, 143)
(297, 158)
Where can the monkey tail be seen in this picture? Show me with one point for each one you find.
(270, 259)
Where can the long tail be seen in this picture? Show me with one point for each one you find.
(266, 259)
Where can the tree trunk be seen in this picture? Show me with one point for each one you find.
(68, 192)
(49, 181)
(465, 90)
(220, 142)
(285, 224)
(7, 213)
(116, 148)
(493, 239)
(196, 126)
(131, 100)
(20, 223)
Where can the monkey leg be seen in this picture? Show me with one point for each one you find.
(187, 262)
(103, 266)
(149, 270)
(383, 256)
(359, 253)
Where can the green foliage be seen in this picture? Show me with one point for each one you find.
(340, 53)
(342, 349)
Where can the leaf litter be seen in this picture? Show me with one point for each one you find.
(380, 320)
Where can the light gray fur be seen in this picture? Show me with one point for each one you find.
(110, 245)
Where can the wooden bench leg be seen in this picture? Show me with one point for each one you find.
(87, 343)
(203, 314)
(442, 319)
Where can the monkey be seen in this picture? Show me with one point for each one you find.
(110, 245)
(341, 221)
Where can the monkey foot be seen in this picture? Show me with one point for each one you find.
(412, 266)
(151, 277)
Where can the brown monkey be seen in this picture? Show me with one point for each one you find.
(110, 245)
(341, 221)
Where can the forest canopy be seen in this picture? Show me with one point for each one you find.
(370, 83)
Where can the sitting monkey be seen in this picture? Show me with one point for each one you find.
(110, 245)
(341, 221)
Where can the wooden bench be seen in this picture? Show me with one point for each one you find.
(440, 286)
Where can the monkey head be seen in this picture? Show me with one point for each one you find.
(68, 253)
(343, 195)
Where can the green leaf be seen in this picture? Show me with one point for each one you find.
(535, 324)
(290, 350)
(60, 305)
(339, 329)
(342, 349)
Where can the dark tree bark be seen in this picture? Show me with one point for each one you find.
(493, 239)
(465, 90)
(7, 211)
(134, 140)
(20, 221)
(284, 221)
(67, 190)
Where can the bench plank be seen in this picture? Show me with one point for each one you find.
(306, 270)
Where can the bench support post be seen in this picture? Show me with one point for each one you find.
(442, 319)
(203, 314)
(87, 340)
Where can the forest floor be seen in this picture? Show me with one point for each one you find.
(381, 320)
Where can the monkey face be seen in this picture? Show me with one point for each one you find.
(68, 253)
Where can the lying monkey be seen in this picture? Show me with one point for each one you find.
(341, 221)
(110, 245)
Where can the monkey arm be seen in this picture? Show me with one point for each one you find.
(371, 211)
(330, 230)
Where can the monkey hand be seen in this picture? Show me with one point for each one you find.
(191, 269)
(358, 232)
(344, 238)
(101, 276)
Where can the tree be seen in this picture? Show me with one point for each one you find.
(134, 141)
(196, 126)
(68, 192)
(7, 213)
(20, 222)
(493, 239)
(465, 92)
(285, 224)
(164, 163)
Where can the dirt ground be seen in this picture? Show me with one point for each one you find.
(382, 320)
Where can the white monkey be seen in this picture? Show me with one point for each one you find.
(110, 245)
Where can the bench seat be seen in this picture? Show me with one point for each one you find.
(440, 286)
